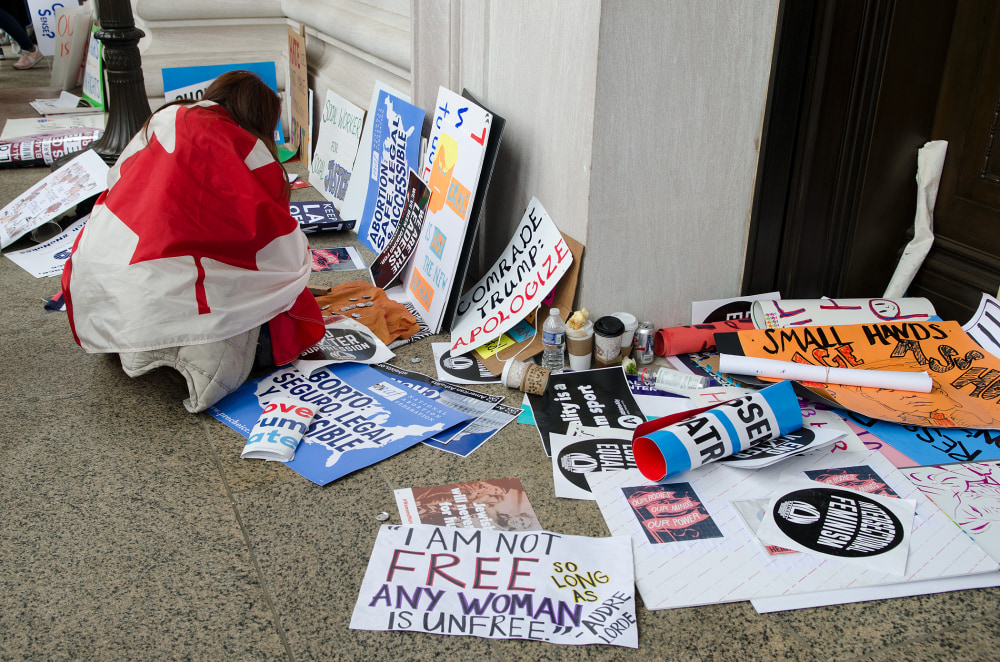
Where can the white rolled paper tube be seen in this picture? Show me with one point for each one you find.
(901, 381)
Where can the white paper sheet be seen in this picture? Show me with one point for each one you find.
(48, 258)
(728, 565)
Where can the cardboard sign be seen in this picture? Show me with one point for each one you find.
(966, 379)
(455, 152)
(526, 271)
(73, 26)
(536, 586)
(298, 94)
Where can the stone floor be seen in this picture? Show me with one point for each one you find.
(132, 530)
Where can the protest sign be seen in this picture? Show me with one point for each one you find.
(984, 326)
(966, 379)
(726, 310)
(342, 258)
(73, 26)
(766, 453)
(464, 400)
(362, 417)
(455, 152)
(190, 83)
(298, 94)
(395, 151)
(731, 565)
(84, 177)
(43, 19)
(526, 271)
(344, 341)
(870, 530)
(594, 398)
(398, 250)
(478, 432)
(93, 71)
(48, 258)
(826, 312)
(969, 494)
(277, 433)
(318, 217)
(460, 369)
(336, 148)
(499, 504)
(537, 586)
(573, 457)
(923, 445)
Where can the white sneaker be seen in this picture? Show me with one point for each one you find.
(28, 59)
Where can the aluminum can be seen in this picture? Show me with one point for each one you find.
(642, 343)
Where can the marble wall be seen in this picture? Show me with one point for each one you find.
(636, 124)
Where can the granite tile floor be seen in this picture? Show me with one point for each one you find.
(130, 530)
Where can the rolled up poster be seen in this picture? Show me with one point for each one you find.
(718, 432)
(675, 340)
(733, 364)
(278, 431)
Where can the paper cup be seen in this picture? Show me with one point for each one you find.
(580, 345)
(535, 379)
(608, 339)
(630, 323)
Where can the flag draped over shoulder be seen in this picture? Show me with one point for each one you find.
(192, 243)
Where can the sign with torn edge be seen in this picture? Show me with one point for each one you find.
(537, 586)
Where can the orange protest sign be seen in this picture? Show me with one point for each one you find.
(966, 377)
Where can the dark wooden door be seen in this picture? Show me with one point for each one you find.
(965, 258)
(857, 87)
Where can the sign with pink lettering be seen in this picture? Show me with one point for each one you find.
(534, 585)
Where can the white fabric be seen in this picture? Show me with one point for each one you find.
(212, 371)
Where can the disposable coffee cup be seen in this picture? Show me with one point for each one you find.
(631, 324)
(608, 332)
(580, 345)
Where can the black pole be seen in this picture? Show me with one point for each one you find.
(128, 106)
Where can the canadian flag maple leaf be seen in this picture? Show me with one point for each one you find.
(197, 196)
(193, 243)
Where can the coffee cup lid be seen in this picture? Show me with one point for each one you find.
(609, 325)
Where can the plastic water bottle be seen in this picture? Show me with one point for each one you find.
(668, 380)
(554, 342)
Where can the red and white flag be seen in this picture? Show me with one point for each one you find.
(192, 243)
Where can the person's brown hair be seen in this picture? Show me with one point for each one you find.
(248, 100)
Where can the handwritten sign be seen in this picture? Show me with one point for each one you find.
(966, 378)
(336, 148)
(452, 166)
(298, 93)
(537, 585)
(533, 262)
